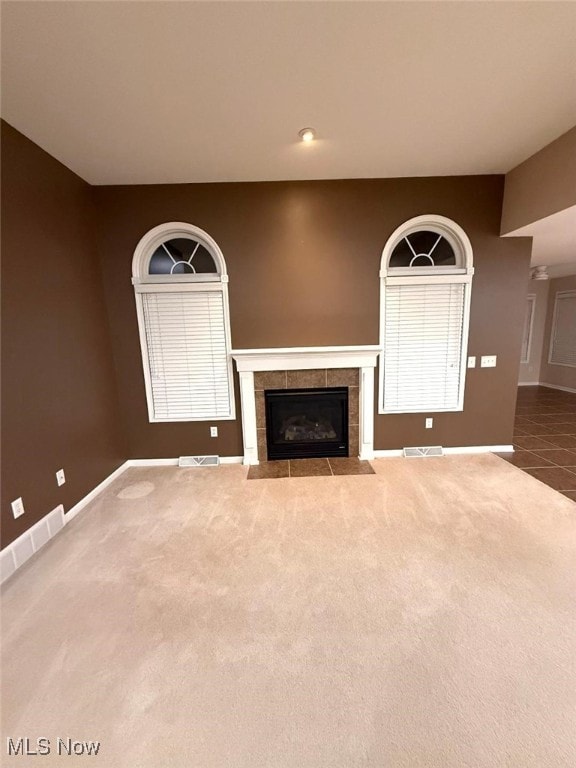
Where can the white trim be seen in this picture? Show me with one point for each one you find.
(144, 283)
(73, 511)
(31, 541)
(449, 229)
(462, 246)
(144, 353)
(466, 449)
(184, 281)
(556, 386)
(306, 358)
(174, 462)
(531, 299)
(366, 415)
(227, 331)
(544, 384)
(480, 449)
(465, 336)
(172, 229)
(432, 279)
(559, 295)
(422, 271)
(172, 287)
(249, 431)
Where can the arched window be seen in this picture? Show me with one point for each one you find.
(181, 287)
(425, 286)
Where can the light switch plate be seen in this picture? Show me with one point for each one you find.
(488, 361)
(60, 477)
(213, 431)
(472, 362)
(429, 423)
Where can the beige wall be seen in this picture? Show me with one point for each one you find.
(558, 375)
(542, 185)
(529, 372)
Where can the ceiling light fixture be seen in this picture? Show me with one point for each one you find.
(307, 134)
(539, 273)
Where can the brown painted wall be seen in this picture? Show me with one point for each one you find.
(303, 259)
(560, 375)
(542, 185)
(59, 402)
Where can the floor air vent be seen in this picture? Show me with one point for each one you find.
(199, 461)
(430, 450)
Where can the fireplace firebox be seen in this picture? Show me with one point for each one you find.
(306, 423)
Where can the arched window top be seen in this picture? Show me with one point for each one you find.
(181, 290)
(428, 244)
(177, 252)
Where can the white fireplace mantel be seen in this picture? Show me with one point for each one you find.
(302, 358)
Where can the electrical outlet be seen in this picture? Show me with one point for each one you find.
(213, 431)
(488, 361)
(60, 477)
(472, 362)
(429, 423)
(18, 507)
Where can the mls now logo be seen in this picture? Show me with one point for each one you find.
(25, 746)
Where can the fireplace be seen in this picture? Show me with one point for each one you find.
(306, 423)
(260, 370)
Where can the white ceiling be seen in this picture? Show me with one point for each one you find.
(133, 92)
(554, 242)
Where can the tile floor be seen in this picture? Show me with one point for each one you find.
(544, 445)
(545, 437)
(268, 470)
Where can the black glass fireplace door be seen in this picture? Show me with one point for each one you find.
(306, 423)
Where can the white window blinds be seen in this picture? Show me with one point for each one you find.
(563, 340)
(187, 355)
(423, 337)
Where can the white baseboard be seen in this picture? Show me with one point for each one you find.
(450, 451)
(32, 540)
(545, 384)
(557, 386)
(174, 462)
(481, 449)
(73, 511)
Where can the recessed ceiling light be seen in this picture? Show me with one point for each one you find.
(307, 134)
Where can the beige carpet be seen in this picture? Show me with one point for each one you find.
(421, 617)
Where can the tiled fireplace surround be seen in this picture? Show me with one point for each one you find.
(307, 367)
